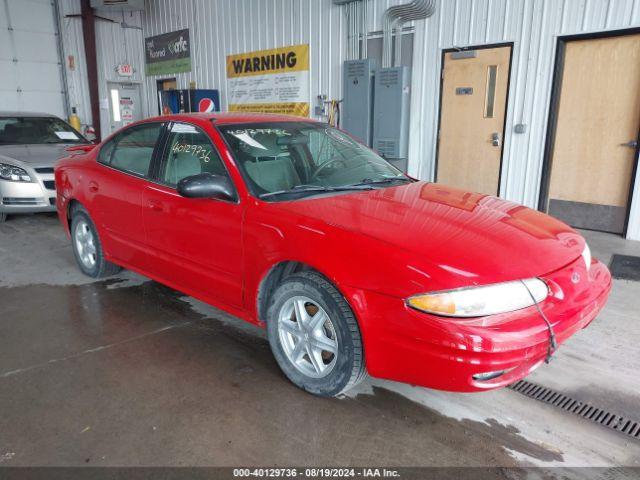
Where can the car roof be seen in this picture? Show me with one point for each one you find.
(15, 113)
(234, 117)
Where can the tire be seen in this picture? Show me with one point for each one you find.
(316, 370)
(88, 253)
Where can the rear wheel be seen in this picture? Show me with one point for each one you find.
(87, 247)
(314, 335)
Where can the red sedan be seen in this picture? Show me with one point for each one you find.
(350, 265)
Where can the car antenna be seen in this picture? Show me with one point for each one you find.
(552, 336)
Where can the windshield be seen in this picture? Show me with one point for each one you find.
(37, 130)
(289, 160)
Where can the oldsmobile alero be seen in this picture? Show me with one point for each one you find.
(349, 264)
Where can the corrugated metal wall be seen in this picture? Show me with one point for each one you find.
(222, 27)
(533, 26)
(115, 45)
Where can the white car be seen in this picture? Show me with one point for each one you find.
(30, 144)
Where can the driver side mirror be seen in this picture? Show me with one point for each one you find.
(207, 185)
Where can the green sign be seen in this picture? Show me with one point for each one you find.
(168, 53)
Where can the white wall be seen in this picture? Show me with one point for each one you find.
(114, 44)
(533, 26)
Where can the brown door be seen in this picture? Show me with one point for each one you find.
(473, 105)
(597, 132)
(167, 84)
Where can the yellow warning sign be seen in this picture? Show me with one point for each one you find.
(270, 81)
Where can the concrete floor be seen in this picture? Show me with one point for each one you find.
(128, 372)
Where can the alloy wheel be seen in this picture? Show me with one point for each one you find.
(308, 337)
(85, 244)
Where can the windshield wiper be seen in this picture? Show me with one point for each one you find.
(399, 178)
(317, 188)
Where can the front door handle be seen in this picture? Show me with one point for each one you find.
(93, 186)
(155, 206)
(495, 139)
(630, 144)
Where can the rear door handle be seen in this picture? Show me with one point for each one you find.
(93, 186)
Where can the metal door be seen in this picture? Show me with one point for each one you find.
(473, 107)
(124, 104)
(596, 134)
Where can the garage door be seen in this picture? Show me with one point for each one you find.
(29, 58)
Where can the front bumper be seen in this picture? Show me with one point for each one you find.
(28, 197)
(417, 348)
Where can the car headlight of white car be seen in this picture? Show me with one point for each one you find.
(482, 300)
(13, 173)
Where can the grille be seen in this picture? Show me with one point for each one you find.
(19, 201)
(44, 169)
(49, 184)
(605, 418)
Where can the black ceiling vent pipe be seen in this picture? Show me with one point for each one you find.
(394, 18)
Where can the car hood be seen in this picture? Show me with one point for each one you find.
(35, 155)
(473, 237)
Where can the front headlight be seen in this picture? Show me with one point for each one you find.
(13, 173)
(586, 256)
(482, 301)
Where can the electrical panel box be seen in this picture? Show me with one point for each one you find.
(357, 105)
(391, 113)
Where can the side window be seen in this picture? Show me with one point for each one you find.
(189, 152)
(105, 152)
(133, 148)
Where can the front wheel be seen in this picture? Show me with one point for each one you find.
(314, 335)
(87, 247)
(3, 217)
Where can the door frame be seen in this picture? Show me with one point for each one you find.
(506, 104)
(554, 109)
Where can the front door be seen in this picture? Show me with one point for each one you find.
(472, 114)
(194, 244)
(124, 104)
(596, 136)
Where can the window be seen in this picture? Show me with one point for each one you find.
(105, 152)
(303, 158)
(490, 100)
(189, 152)
(132, 150)
(37, 131)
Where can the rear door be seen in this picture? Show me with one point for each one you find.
(115, 190)
(194, 244)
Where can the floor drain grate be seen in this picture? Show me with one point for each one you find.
(598, 415)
